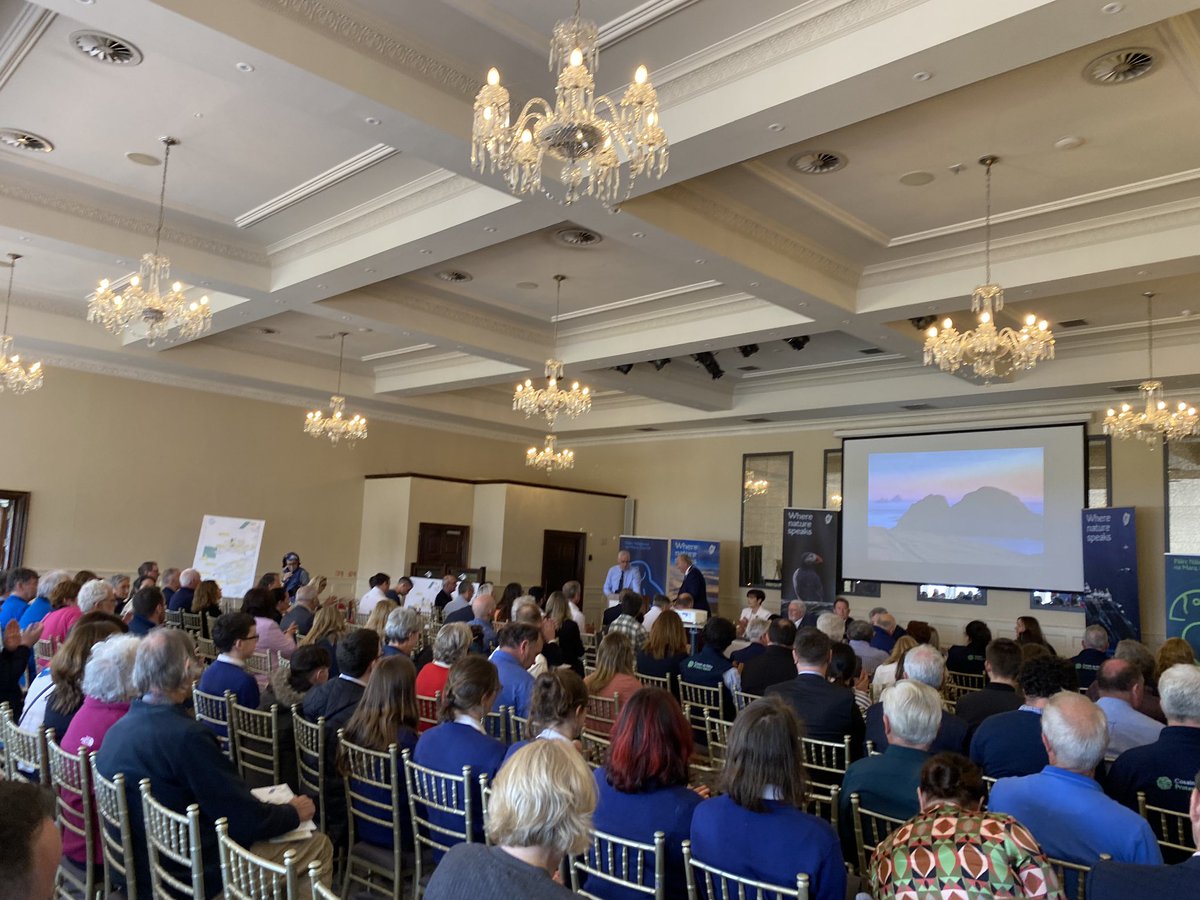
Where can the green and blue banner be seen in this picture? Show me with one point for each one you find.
(649, 556)
(1183, 598)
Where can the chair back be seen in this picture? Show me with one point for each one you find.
(256, 743)
(704, 880)
(116, 837)
(71, 778)
(658, 681)
(1172, 829)
(591, 642)
(741, 699)
(636, 867)
(173, 844)
(826, 761)
(432, 791)
(206, 649)
(174, 618)
(602, 713)
(716, 734)
(193, 622)
(822, 801)
(495, 724)
(960, 683)
(310, 760)
(518, 727)
(427, 710)
(43, 650)
(595, 749)
(696, 698)
(261, 662)
(26, 750)
(372, 781)
(250, 877)
(213, 710)
(1073, 876)
(870, 828)
(319, 890)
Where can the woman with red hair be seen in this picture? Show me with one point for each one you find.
(643, 786)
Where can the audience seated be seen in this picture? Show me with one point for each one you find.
(43, 603)
(1174, 651)
(630, 605)
(969, 658)
(479, 613)
(755, 633)
(149, 610)
(328, 628)
(446, 594)
(525, 609)
(829, 711)
(459, 738)
(887, 632)
(452, 643)
(952, 848)
(1120, 687)
(1010, 743)
(1062, 805)
(557, 709)
(377, 618)
(887, 783)
(461, 599)
(666, 647)
(754, 609)
(402, 632)
(573, 591)
(757, 827)
(14, 661)
(22, 589)
(181, 599)
(276, 643)
(206, 602)
(1029, 631)
(289, 686)
(833, 625)
(642, 787)
(845, 668)
(539, 815)
(158, 740)
(94, 595)
(1002, 665)
(508, 596)
(1139, 656)
(614, 674)
(565, 648)
(520, 643)
(888, 672)
(303, 611)
(65, 593)
(56, 708)
(614, 610)
(31, 842)
(1087, 661)
(710, 667)
(379, 584)
(235, 635)
(858, 636)
(337, 698)
(922, 663)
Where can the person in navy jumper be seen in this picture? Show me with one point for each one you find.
(158, 740)
(520, 643)
(459, 740)
(710, 667)
(149, 611)
(235, 637)
(1009, 744)
(181, 600)
(757, 828)
(643, 787)
(922, 663)
(1088, 661)
(969, 658)
(557, 709)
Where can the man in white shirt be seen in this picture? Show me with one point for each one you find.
(460, 600)
(622, 576)
(657, 605)
(380, 582)
(572, 591)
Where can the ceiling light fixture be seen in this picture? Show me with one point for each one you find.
(754, 487)
(991, 352)
(624, 368)
(552, 401)
(798, 343)
(334, 425)
(748, 349)
(709, 362)
(659, 364)
(151, 296)
(586, 133)
(14, 376)
(1155, 423)
(550, 458)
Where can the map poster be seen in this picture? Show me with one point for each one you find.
(1183, 598)
(706, 556)
(227, 552)
(649, 556)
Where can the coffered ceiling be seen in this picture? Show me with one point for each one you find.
(323, 184)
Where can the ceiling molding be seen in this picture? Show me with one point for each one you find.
(782, 181)
(31, 23)
(638, 19)
(697, 310)
(1181, 39)
(502, 23)
(871, 365)
(388, 354)
(454, 310)
(346, 169)
(21, 193)
(635, 301)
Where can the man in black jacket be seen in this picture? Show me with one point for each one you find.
(829, 711)
(1002, 665)
(774, 665)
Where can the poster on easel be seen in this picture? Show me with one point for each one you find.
(1183, 598)
(227, 552)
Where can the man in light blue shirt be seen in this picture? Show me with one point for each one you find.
(622, 576)
(1121, 686)
(520, 643)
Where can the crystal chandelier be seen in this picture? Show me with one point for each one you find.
(334, 425)
(1156, 421)
(551, 401)
(151, 296)
(754, 487)
(550, 457)
(14, 376)
(990, 352)
(588, 134)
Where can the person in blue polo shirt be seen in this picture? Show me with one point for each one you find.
(520, 643)
(22, 588)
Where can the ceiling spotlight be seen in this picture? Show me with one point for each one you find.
(748, 349)
(922, 322)
(797, 343)
(659, 363)
(709, 362)
(624, 369)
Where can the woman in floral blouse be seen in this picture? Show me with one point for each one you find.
(953, 848)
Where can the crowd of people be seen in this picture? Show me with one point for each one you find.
(1045, 762)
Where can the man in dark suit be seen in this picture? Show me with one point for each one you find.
(693, 582)
(922, 663)
(775, 664)
(1002, 664)
(1119, 881)
(829, 711)
(446, 594)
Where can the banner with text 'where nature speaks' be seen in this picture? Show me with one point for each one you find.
(706, 556)
(810, 558)
(1110, 572)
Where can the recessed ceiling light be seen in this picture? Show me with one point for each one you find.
(916, 179)
(1070, 142)
(754, 284)
(369, 271)
(802, 304)
(205, 283)
(776, 127)
(143, 159)
(426, 251)
(922, 76)
(373, 120)
(24, 239)
(345, 318)
(365, 330)
(701, 262)
(1143, 271)
(639, 234)
(119, 262)
(527, 285)
(1111, 9)
(197, 115)
(320, 285)
(86, 2)
(490, 229)
(244, 67)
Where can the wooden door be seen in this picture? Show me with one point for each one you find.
(564, 554)
(442, 545)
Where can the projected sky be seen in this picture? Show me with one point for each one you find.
(955, 473)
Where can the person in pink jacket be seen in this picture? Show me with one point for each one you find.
(264, 605)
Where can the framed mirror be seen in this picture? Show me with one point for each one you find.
(766, 490)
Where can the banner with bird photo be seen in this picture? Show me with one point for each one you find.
(810, 558)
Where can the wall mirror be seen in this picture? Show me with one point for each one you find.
(766, 490)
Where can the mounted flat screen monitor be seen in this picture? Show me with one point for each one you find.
(995, 508)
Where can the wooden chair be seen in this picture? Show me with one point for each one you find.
(261, 662)
(427, 710)
(1172, 829)
(822, 801)
(657, 681)
(430, 792)
(1073, 874)
(716, 883)
(518, 727)
(716, 736)
(193, 622)
(213, 711)
(310, 761)
(256, 744)
(250, 877)
(174, 618)
(632, 865)
(116, 837)
(696, 698)
(870, 828)
(25, 751)
(602, 713)
(741, 699)
(595, 749)
(173, 844)
(826, 761)
(71, 778)
(373, 792)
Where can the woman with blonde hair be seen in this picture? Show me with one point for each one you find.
(666, 647)
(566, 649)
(888, 672)
(614, 677)
(1174, 652)
(540, 812)
(377, 620)
(329, 626)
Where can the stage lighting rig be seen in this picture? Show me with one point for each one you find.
(709, 362)
(797, 343)
(659, 363)
(748, 349)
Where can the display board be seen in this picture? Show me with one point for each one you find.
(227, 552)
(423, 593)
(649, 556)
(810, 558)
(706, 556)
(1183, 598)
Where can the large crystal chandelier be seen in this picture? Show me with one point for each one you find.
(990, 352)
(552, 401)
(14, 376)
(550, 458)
(334, 425)
(589, 135)
(1156, 421)
(150, 296)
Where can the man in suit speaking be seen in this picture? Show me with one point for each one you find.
(693, 582)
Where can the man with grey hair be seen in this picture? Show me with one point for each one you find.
(573, 591)
(887, 783)
(402, 632)
(157, 739)
(170, 583)
(460, 599)
(181, 600)
(756, 637)
(479, 614)
(1164, 770)
(304, 610)
(1121, 685)
(887, 632)
(859, 634)
(40, 607)
(1088, 661)
(693, 582)
(922, 663)
(795, 611)
(833, 625)
(1062, 806)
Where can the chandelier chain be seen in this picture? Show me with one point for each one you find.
(987, 225)
(12, 271)
(1149, 295)
(341, 356)
(168, 143)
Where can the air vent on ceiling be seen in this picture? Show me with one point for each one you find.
(577, 237)
(871, 351)
(747, 368)
(24, 140)
(1073, 323)
(106, 48)
(817, 162)
(648, 428)
(914, 407)
(455, 276)
(757, 420)
(266, 331)
(1120, 66)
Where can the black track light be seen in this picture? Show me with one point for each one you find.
(797, 343)
(748, 349)
(709, 362)
(624, 369)
(659, 363)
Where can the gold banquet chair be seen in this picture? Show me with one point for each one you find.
(71, 776)
(602, 714)
(256, 743)
(379, 773)
(25, 751)
(432, 791)
(212, 709)
(427, 709)
(250, 877)
(173, 845)
(631, 865)
(1069, 872)
(870, 829)
(1172, 829)
(720, 885)
(311, 777)
(116, 837)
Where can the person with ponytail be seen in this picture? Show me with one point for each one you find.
(557, 709)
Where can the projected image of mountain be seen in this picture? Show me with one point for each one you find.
(965, 505)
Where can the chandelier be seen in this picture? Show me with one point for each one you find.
(586, 133)
(549, 457)
(989, 351)
(754, 487)
(1156, 421)
(334, 425)
(150, 296)
(14, 376)
(551, 401)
